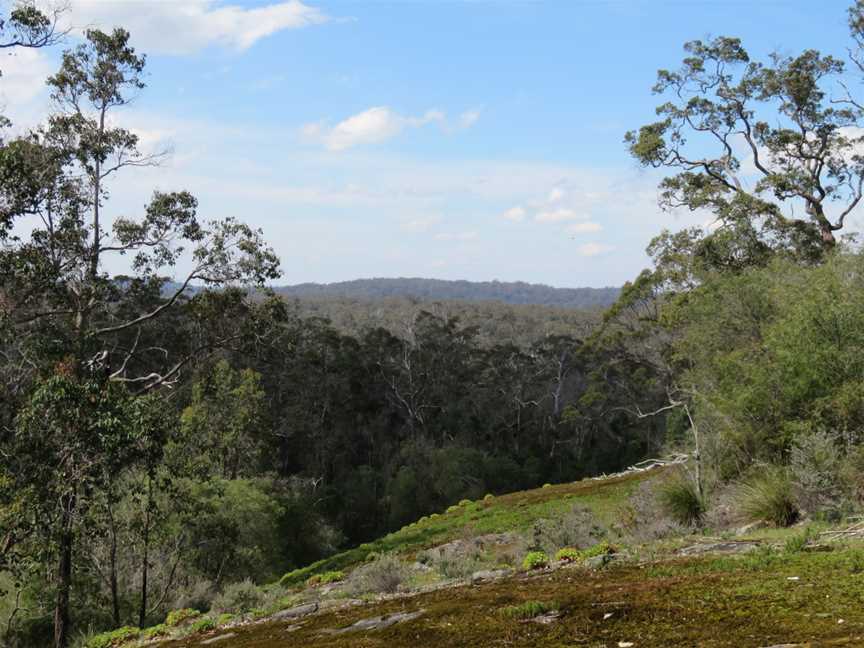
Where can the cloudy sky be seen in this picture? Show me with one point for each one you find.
(457, 139)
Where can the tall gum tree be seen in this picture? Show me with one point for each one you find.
(777, 144)
(71, 333)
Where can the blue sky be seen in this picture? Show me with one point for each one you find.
(451, 139)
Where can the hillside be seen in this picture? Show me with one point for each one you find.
(458, 584)
(437, 289)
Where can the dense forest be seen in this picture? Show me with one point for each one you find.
(158, 443)
(509, 292)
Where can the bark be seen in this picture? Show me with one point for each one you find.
(64, 576)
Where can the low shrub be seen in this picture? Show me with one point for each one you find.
(465, 502)
(547, 485)
(578, 527)
(204, 624)
(535, 560)
(769, 496)
(568, 554)
(798, 542)
(113, 638)
(680, 500)
(176, 617)
(239, 598)
(383, 575)
(153, 632)
(225, 619)
(644, 518)
(599, 549)
(488, 497)
(453, 509)
(529, 610)
(332, 577)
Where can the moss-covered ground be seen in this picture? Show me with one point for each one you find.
(505, 513)
(760, 599)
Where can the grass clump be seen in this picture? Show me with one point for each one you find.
(113, 638)
(225, 618)
(331, 577)
(529, 610)
(535, 560)
(798, 542)
(176, 617)
(681, 501)
(770, 497)
(568, 554)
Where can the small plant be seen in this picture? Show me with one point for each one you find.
(798, 542)
(225, 619)
(465, 502)
(770, 497)
(372, 556)
(204, 624)
(681, 501)
(423, 519)
(114, 638)
(434, 516)
(161, 630)
(856, 562)
(569, 555)
(176, 617)
(383, 575)
(331, 577)
(599, 549)
(488, 497)
(529, 610)
(453, 509)
(535, 560)
(313, 581)
(547, 485)
(239, 598)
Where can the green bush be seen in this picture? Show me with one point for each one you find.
(465, 502)
(453, 509)
(681, 501)
(547, 485)
(535, 560)
(204, 624)
(176, 617)
(769, 496)
(224, 619)
(529, 610)
(332, 577)
(383, 575)
(114, 638)
(599, 549)
(569, 554)
(488, 497)
(161, 630)
(239, 598)
(798, 542)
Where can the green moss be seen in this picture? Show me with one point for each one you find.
(117, 637)
(529, 610)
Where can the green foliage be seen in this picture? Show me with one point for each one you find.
(535, 560)
(204, 624)
(599, 549)
(529, 610)
(769, 496)
(176, 617)
(225, 618)
(238, 598)
(383, 575)
(114, 638)
(331, 577)
(798, 542)
(154, 632)
(568, 554)
(681, 501)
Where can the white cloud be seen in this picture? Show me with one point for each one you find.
(186, 26)
(456, 236)
(422, 224)
(515, 214)
(23, 76)
(593, 249)
(556, 195)
(468, 118)
(371, 126)
(558, 216)
(584, 228)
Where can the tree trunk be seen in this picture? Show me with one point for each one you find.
(64, 576)
(145, 567)
(115, 596)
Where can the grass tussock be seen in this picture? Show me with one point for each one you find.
(769, 496)
(529, 610)
(681, 501)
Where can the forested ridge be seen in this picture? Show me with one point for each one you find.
(179, 436)
(509, 292)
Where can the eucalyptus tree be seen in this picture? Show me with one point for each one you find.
(67, 325)
(28, 25)
(773, 145)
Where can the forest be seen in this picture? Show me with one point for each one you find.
(182, 427)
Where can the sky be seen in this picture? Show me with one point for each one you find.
(454, 139)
